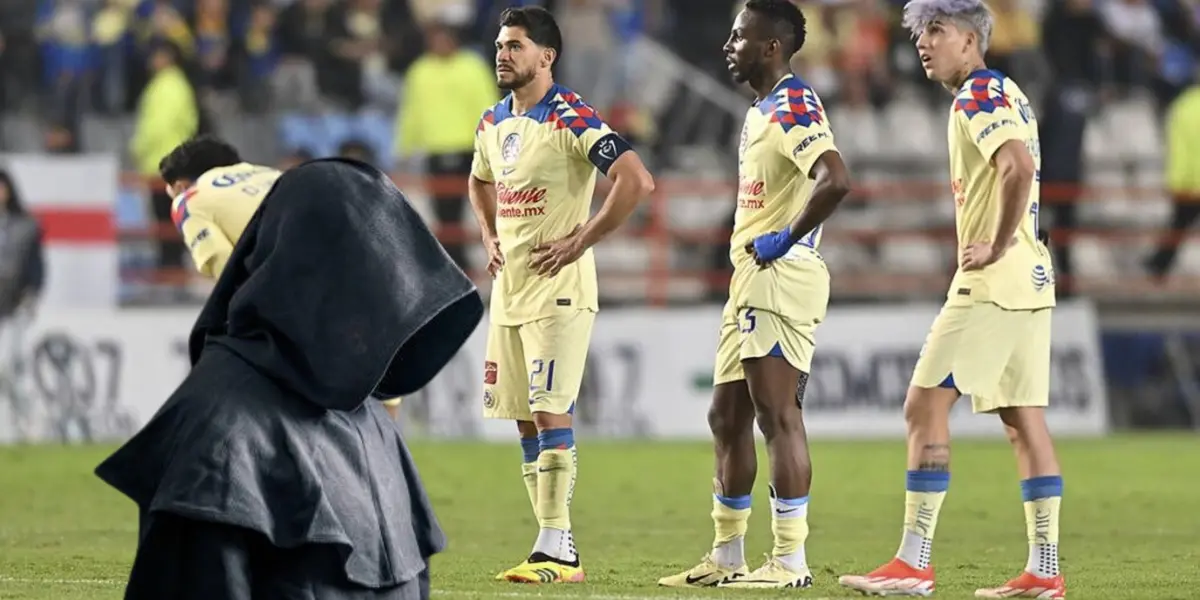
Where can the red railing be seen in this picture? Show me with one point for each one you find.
(658, 275)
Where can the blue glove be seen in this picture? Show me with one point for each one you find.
(770, 246)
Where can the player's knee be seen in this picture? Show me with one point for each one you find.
(776, 421)
(527, 429)
(927, 406)
(725, 422)
(543, 421)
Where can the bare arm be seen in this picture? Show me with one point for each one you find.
(631, 184)
(830, 186)
(483, 202)
(1016, 169)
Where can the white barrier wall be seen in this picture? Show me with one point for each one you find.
(75, 199)
(101, 374)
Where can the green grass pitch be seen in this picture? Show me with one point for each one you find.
(1131, 520)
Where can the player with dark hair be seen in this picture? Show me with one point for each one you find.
(216, 193)
(791, 178)
(270, 472)
(532, 180)
(991, 339)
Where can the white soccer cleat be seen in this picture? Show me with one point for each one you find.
(772, 575)
(706, 574)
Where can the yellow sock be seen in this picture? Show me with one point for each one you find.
(555, 473)
(922, 503)
(555, 487)
(1043, 499)
(730, 518)
(530, 475)
(529, 449)
(789, 524)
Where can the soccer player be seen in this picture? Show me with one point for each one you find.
(531, 186)
(216, 193)
(992, 337)
(790, 179)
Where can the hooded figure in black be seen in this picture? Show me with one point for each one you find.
(272, 473)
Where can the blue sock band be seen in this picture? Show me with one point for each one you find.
(801, 501)
(738, 503)
(1037, 488)
(927, 481)
(529, 447)
(556, 439)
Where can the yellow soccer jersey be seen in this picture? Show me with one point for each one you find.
(212, 213)
(988, 111)
(783, 136)
(543, 164)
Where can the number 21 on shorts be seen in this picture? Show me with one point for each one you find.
(543, 370)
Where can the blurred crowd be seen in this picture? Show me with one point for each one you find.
(370, 77)
(70, 57)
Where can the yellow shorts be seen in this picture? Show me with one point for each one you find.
(1001, 358)
(753, 333)
(393, 402)
(536, 367)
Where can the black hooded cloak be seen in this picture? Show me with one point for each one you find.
(272, 472)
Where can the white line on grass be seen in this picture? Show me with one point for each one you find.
(453, 594)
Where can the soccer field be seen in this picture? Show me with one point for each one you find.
(1131, 519)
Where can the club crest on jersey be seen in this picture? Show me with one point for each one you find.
(511, 148)
(489, 399)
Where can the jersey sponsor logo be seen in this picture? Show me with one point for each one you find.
(993, 128)
(750, 193)
(200, 237)
(516, 202)
(510, 149)
(1041, 278)
(808, 141)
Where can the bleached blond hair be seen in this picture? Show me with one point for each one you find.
(972, 15)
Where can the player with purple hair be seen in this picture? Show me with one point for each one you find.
(991, 339)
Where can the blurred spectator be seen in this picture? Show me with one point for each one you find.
(168, 114)
(1183, 175)
(301, 34)
(1014, 46)
(591, 66)
(262, 58)
(445, 92)
(357, 150)
(67, 58)
(1136, 26)
(355, 45)
(1178, 63)
(22, 275)
(1076, 46)
(213, 44)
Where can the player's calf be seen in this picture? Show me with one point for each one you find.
(1041, 491)
(777, 391)
(910, 573)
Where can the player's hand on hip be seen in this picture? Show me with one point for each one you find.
(981, 254)
(549, 258)
(495, 256)
(769, 246)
